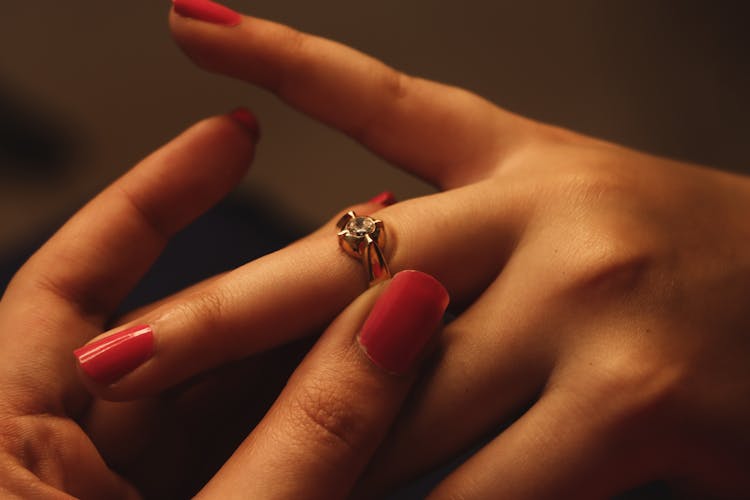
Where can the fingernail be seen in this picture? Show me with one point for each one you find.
(205, 10)
(112, 357)
(247, 119)
(386, 198)
(403, 320)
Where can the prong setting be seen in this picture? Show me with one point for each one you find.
(363, 238)
(357, 232)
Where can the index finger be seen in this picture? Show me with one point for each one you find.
(72, 284)
(443, 134)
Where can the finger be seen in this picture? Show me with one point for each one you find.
(320, 433)
(384, 199)
(142, 311)
(443, 134)
(247, 310)
(74, 282)
(113, 240)
(106, 415)
(559, 449)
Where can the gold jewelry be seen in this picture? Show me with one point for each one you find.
(364, 239)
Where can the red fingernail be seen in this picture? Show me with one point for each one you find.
(403, 320)
(112, 357)
(386, 198)
(247, 119)
(205, 10)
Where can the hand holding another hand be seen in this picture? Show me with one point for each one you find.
(322, 429)
(599, 296)
(599, 291)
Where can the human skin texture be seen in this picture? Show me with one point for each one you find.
(322, 429)
(599, 292)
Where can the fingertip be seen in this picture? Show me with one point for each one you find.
(248, 121)
(232, 136)
(107, 359)
(211, 46)
(403, 320)
(207, 11)
(194, 40)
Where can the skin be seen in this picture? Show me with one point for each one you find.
(67, 292)
(600, 292)
(57, 442)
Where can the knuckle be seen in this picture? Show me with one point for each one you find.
(637, 383)
(396, 85)
(649, 392)
(326, 417)
(603, 264)
(605, 245)
(294, 41)
(294, 44)
(609, 265)
(205, 308)
(149, 218)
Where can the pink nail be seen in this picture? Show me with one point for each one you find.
(112, 357)
(247, 119)
(205, 10)
(403, 320)
(386, 198)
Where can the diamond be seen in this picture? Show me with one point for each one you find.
(361, 226)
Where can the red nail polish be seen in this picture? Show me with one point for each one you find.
(386, 198)
(403, 320)
(112, 357)
(247, 119)
(205, 10)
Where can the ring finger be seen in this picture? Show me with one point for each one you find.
(247, 310)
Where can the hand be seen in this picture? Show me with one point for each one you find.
(68, 290)
(317, 437)
(600, 291)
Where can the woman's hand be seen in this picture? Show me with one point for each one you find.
(315, 440)
(69, 289)
(600, 291)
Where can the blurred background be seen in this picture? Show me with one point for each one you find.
(87, 88)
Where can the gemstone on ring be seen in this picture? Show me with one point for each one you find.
(360, 226)
(363, 238)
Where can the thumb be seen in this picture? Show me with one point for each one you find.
(338, 405)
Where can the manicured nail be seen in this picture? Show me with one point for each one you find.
(247, 119)
(386, 198)
(205, 10)
(403, 320)
(112, 357)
